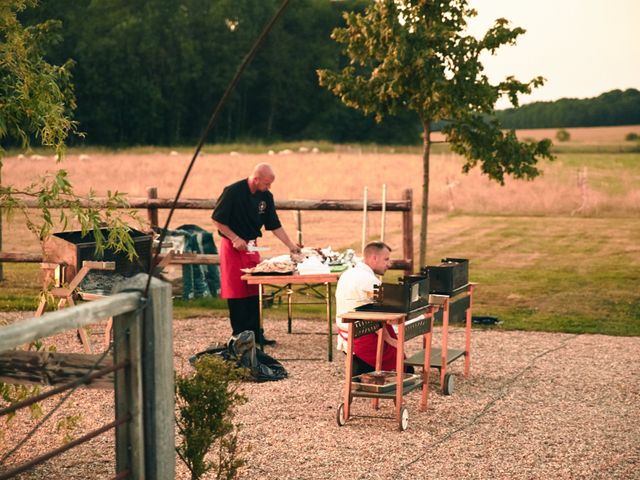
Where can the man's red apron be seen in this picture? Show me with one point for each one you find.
(365, 348)
(231, 261)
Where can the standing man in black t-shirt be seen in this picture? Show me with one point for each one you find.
(241, 211)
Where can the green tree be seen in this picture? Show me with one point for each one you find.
(562, 135)
(206, 402)
(36, 102)
(415, 55)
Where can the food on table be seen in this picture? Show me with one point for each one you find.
(272, 267)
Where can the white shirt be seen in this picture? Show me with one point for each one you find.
(355, 288)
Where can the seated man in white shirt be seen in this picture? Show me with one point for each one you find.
(355, 288)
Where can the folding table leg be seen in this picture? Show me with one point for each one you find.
(289, 306)
(260, 314)
(329, 321)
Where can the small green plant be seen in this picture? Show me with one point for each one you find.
(67, 426)
(562, 135)
(631, 136)
(205, 402)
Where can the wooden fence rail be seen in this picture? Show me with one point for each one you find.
(152, 204)
(210, 203)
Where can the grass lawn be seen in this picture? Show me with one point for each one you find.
(561, 274)
(564, 274)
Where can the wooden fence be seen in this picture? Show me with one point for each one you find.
(142, 363)
(152, 204)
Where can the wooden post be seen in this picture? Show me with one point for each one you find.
(364, 220)
(127, 342)
(407, 231)
(158, 399)
(298, 216)
(152, 212)
(384, 210)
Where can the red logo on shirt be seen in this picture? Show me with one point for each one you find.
(262, 207)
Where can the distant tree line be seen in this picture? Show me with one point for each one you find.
(616, 107)
(151, 71)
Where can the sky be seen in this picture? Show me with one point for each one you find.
(582, 47)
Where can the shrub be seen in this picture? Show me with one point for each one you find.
(205, 402)
(562, 135)
(631, 136)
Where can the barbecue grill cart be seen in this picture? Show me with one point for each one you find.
(450, 280)
(395, 384)
(456, 307)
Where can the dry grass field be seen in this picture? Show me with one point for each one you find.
(611, 187)
(558, 254)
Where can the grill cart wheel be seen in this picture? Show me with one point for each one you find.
(404, 419)
(449, 383)
(340, 415)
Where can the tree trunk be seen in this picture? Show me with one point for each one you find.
(425, 193)
(1, 268)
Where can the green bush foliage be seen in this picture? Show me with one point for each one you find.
(631, 136)
(205, 402)
(562, 135)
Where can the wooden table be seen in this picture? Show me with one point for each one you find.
(363, 323)
(288, 280)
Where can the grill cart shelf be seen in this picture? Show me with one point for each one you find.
(366, 322)
(456, 306)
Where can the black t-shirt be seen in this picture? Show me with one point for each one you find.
(245, 213)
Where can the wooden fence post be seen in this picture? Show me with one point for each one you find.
(152, 212)
(156, 357)
(407, 231)
(127, 339)
(298, 217)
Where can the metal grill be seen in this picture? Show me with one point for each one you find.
(413, 328)
(70, 249)
(361, 328)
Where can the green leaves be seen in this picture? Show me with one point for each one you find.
(36, 96)
(58, 207)
(36, 102)
(206, 401)
(499, 152)
(415, 55)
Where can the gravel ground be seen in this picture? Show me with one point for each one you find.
(536, 406)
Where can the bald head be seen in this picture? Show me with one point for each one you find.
(261, 177)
